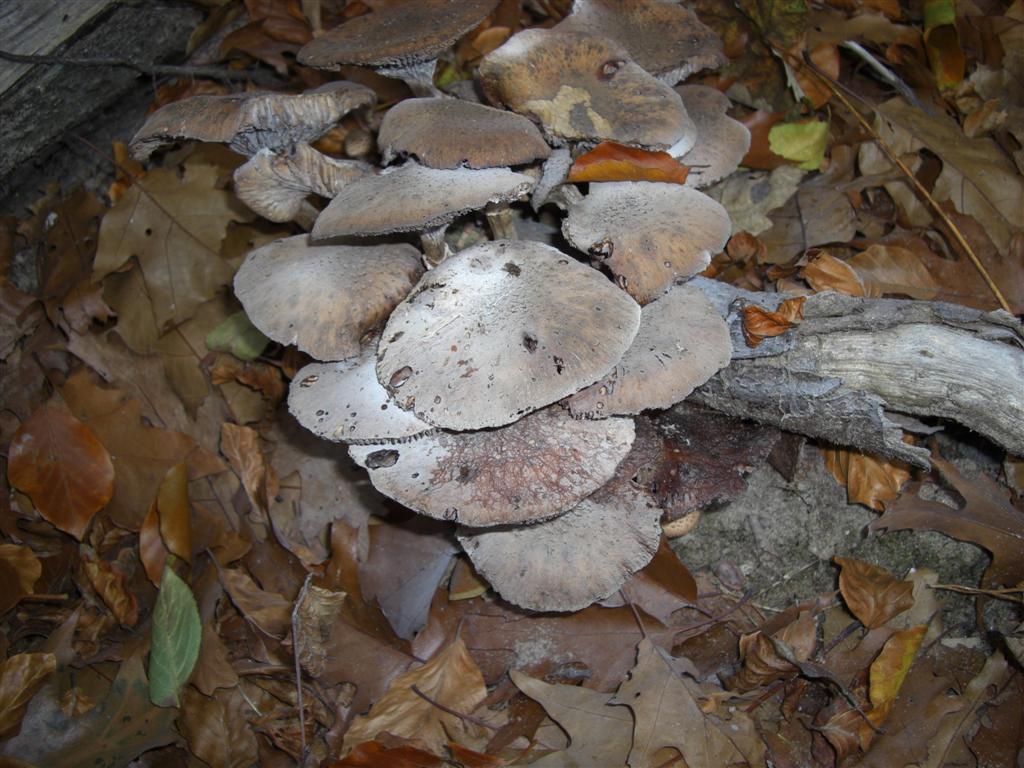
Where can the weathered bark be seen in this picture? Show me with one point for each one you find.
(839, 374)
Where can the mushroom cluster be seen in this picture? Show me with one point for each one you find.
(494, 386)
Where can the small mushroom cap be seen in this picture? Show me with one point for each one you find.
(537, 468)
(648, 233)
(584, 88)
(248, 122)
(721, 141)
(411, 198)
(577, 558)
(447, 133)
(345, 402)
(665, 38)
(502, 329)
(400, 34)
(324, 298)
(682, 342)
(275, 185)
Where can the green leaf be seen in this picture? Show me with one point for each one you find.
(803, 143)
(176, 634)
(238, 336)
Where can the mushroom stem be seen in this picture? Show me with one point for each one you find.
(435, 249)
(501, 220)
(419, 77)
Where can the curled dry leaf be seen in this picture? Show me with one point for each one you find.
(19, 571)
(890, 269)
(761, 661)
(760, 324)
(871, 593)
(20, 677)
(112, 586)
(267, 610)
(450, 678)
(889, 670)
(869, 480)
(827, 273)
(59, 463)
(609, 161)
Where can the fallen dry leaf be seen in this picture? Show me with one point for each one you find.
(241, 445)
(892, 270)
(213, 668)
(113, 587)
(216, 729)
(65, 470)
(762, 663)
(890, 668)
(373, 754)
(827, 273)
(663, 586)
(20, 569)
(869, 480)
(760, 324)
(21, 676)
(609, 161)
(668, 714)
(871, 593)
(267, 610)
(450, 678)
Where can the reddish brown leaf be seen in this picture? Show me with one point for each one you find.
(469, 758)
(152, 550)
(663, 586)
(112, 586)
(827, 273)
(19, 571)
(762, 664)
(241, 445)
(20, 678)
(871, 593)
(890, 269)
(760, 155)
(267, 610)
(65, 470)
(869, 480)
(173, 508)
(216, 729)
(373, 754)
(213, 668)
(609, 161)
(760, 324)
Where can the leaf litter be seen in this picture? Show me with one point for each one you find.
(186, 579)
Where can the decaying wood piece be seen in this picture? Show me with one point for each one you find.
(836, 375)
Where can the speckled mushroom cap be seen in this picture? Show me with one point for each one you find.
(345, 402)
(682, 342)
(665, 38)
(648, 233)
(577, 558)
(324, 298)
(447, 133)
(398, 35)
(248, 122)
(581, 87)
(537, 468)
(502, 329)
(412, 197)
(275, 185)
(721, 141)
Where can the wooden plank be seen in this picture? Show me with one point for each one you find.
(40, 27)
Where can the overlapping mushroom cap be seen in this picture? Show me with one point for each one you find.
(585, 554)
(648, 233)
(721, 141)
(502, 329)
(665, 38)
(580, 87)
(324, 298)
(345, 402)
(249, 122)
(534, 469)
(447, 133)
(412, 198)
(682, 342)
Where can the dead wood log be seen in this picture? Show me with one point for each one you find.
(853, 363)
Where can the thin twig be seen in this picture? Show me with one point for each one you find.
(636, 614)
(918, 186)
(159, 70)
(452, 712)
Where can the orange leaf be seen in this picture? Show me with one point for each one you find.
(373, 754)
(827, 273)
(869, 480)
(609, 161)
(152, 550)
(173, 508)
(760, 324)
(889, 669)
(760, 156)
(112, 587)
(871, 593)
(65, 470)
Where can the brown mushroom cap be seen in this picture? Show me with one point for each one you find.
(275, 185)
(502, 329)
(721, 141)
(345, 402)
(648, 233)
(665, 38)
(447, 133)
(532, 470)
(584, 88)
(411, 198)
(324, 298)
(248, 122)
(400, 34)
(682, 342)
(580, 557)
